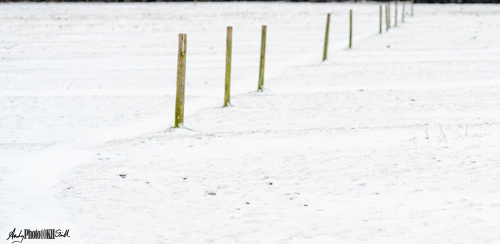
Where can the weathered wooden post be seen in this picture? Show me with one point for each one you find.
(229, 47)
(389, 12)
(325, 48)
(181, 77)
(386, 18)
(380, 29)
(403, 15)
(262, 58)
(350, 28)
(395, 13)
(411, 7)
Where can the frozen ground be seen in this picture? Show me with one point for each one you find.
(394, 141)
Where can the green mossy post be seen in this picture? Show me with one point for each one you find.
(181, 77)
(229, 47)
(350, 28)
(262, 58)
(325, 48)
(395, 13)
(403, 15)
(380, 29)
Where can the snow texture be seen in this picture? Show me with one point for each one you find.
(393, 141)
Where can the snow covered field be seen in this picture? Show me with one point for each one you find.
(394, 141)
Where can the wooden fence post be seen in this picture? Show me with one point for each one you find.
(262, 58)
(181, 77)
(229, 47)
(350, 28)
(403, 15)
(389, 12)
(395, 13)
(386, 18)
(411, 7)
(325, 49)
(380, 29)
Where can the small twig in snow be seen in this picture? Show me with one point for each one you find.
(443, 133)
(459, 134)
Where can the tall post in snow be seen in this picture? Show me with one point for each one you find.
(389, 12)
(403, 15)
(350, 28)
(380, 27)
(181, 78)
(262, 58)
(411, 7)
(325, 48)
(395, 13)
(229, 47)
(387, 26)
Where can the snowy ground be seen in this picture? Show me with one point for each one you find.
(393, 141)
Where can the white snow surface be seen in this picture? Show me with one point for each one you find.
(393, 141)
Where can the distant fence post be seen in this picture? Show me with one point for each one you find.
(350, 28)
(411, 7)
(389, 12)
(380, 29)
(403, 15)
(262, 58)
(395, 13)
(229, 47)
(181, 76)
(325, 48)
(386, 18)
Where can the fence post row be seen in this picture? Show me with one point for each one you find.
(325, 49)
(229, 47)
(181, 58)
(181, 77)
(262, 58)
